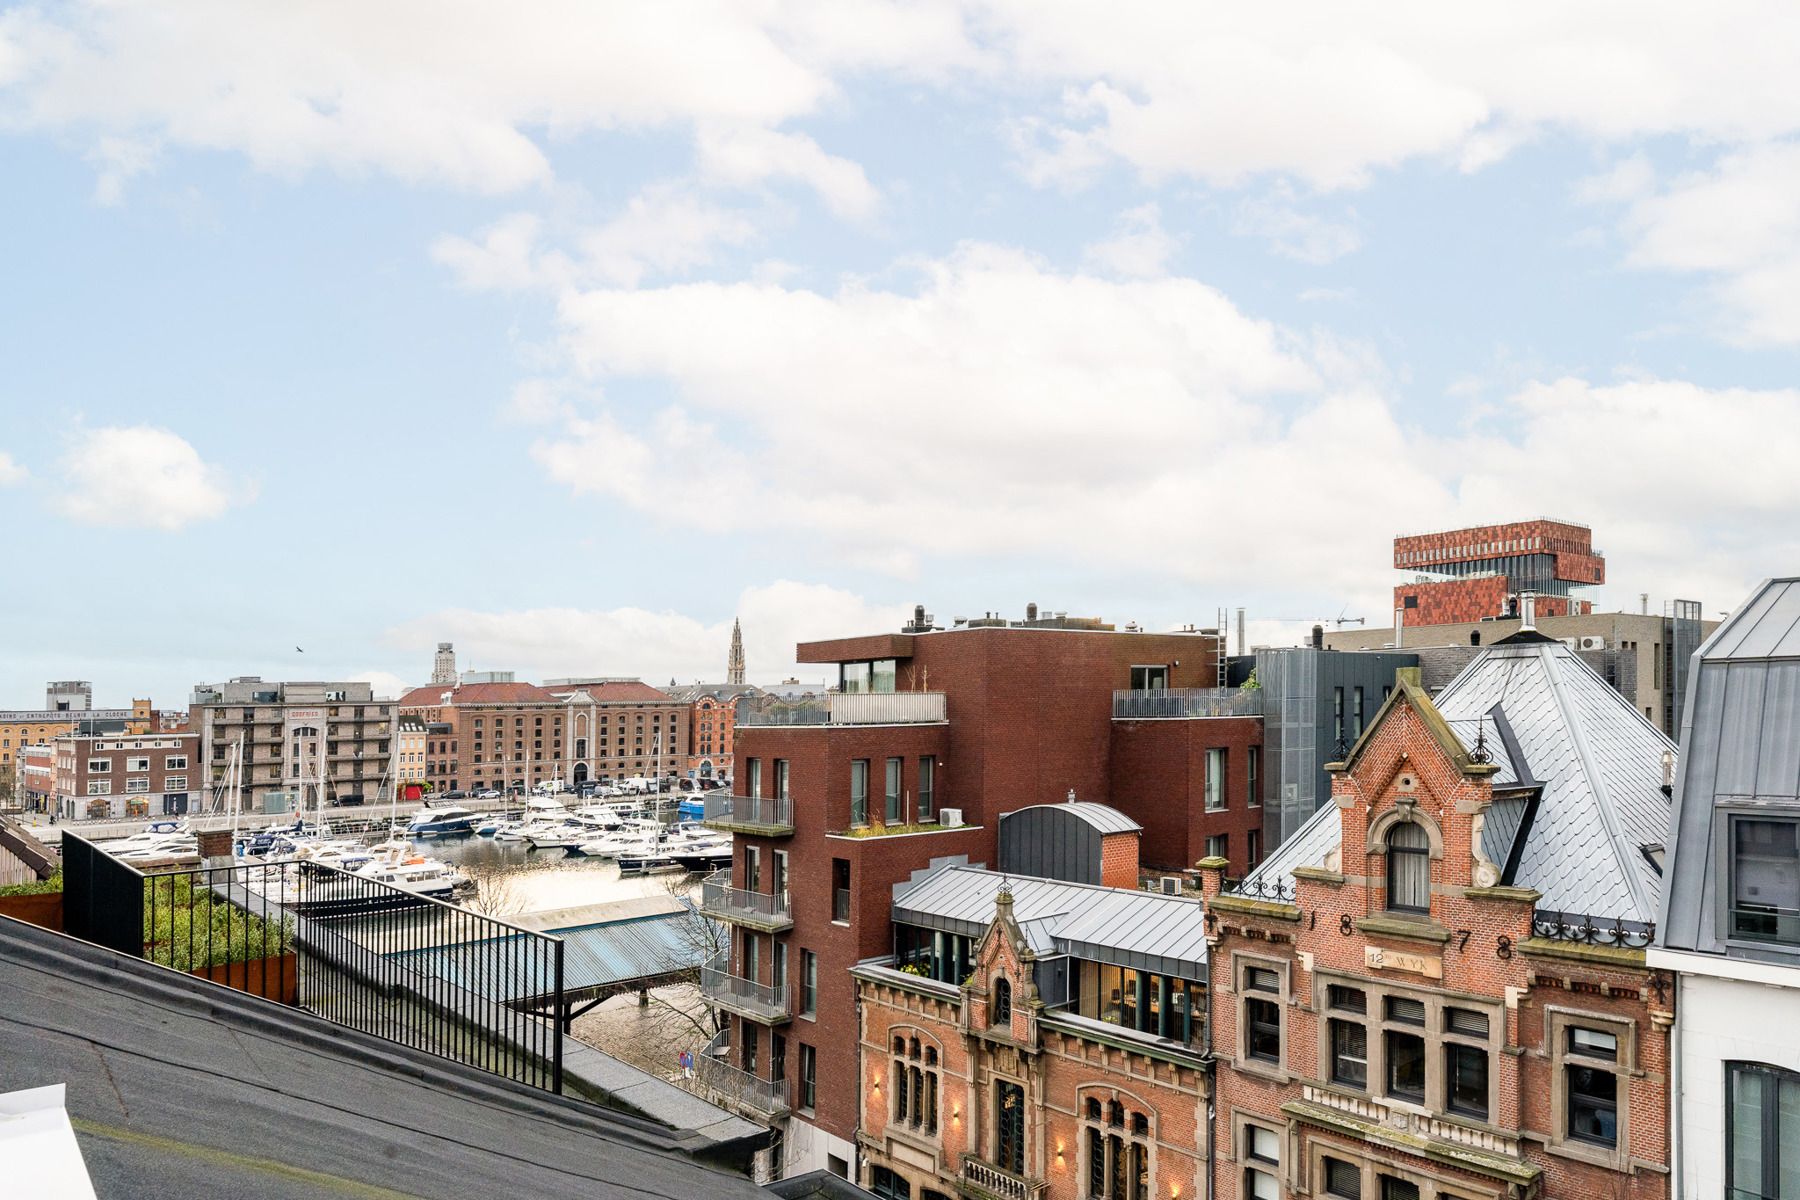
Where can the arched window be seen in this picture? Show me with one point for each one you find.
(1409, 868)
(1002, 1002)
(1118, 1164)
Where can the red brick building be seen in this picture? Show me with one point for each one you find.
(1488, 566)
(1437, 988)
(929, 737)
(1058, 1068)
(124, 775)
(514, 736)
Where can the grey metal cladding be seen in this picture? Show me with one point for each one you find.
(1060, 841)
(1145, 930)
(1741, 748)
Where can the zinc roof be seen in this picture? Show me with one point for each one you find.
(1147, 930)
(1768, 626)
(1599, 764)
(1103, 817)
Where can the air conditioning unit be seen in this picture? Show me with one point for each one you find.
(1593, 643)
(1171, 885)
(950, 817)
(1571, 643)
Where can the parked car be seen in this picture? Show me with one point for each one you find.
(350, 798)
(453, 794)
(487, 794)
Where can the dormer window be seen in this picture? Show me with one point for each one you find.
(1765, 880)
(1002, 1002)
(1409, 869)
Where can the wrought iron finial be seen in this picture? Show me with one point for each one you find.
(1479, 752)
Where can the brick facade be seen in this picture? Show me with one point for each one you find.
(1495, 563)
(1471, 958)
(1159, 780)
(126, 775)
(1143, 1111)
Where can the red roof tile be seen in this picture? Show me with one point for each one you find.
(433, 696)
(617, 689)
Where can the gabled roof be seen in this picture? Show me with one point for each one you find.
(1598, 764)
(1146, 930)
(441, 695)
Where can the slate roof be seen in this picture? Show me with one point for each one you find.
(181, 1089)
(1148, 930)
(1599, 765)
(615, 691)
(1766, 626)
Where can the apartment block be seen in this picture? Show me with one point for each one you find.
(927, 739)
(123, 775)
(297, 742)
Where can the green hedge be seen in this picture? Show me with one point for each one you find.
(191, 929)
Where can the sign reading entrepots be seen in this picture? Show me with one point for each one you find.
(1379, 958)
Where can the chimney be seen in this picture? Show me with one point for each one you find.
(1668, 772)
(1527, 611)
(1240, 631)
(1644, 603)
(1399, 627)
(1474, 637)
(1318, 637)
(1031, 611)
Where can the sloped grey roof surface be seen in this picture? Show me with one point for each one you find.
(1133, 928)
(1741, 736)
(1599, 763)
(180, 1089)
(1767, 626)
(1103, 817)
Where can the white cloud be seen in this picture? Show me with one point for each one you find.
(12, 472)
(1149, 427)
(664, 230)
(1329, 93)
(747, 156)
(1736, 224)
(656, 646)
(387, 685)
(118, 161)
(141, 477)
(1292, 233)
(1139, 248)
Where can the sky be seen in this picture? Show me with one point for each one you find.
(570, 331)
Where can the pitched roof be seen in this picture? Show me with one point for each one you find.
(439, 696)
(614, 690)
(1147, 930)
(277, 1102)
(1596, 759)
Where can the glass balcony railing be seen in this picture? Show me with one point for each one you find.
(852, 708)
(1175, 703)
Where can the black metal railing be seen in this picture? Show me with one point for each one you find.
(1259, 889)
(1592, 931)
(385, 960)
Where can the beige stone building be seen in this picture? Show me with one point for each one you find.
(295, 739)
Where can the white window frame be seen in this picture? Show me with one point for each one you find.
(99, 766)
(175, 762)
(99, 787)
(175, 783)
(138, 764)
(137, 785)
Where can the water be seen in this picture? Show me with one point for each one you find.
(540, 880)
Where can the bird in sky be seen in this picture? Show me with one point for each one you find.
(298, 650)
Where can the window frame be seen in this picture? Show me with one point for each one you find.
(1249, 994)
(1769, 1135)
(1433, 1031)
(1558, 1021)
(1216, 767)
(1728, 873)
(1416, 857)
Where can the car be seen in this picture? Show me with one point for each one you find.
(487, 794)
(455, 794)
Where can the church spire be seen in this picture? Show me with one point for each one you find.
(734, 667)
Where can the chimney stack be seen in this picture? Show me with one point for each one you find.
(1031, 611)
(1528, 611)
(1318, 637)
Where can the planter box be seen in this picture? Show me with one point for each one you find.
(44, 910)
(274, 978)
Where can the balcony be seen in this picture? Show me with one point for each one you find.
(759, 910)
(853, 708)
(737, 1088)
(1163, 704)
(985, 1179)
(759, 1002)
(766, 816)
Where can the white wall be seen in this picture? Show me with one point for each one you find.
(1725, 1020)
(808, 1148)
